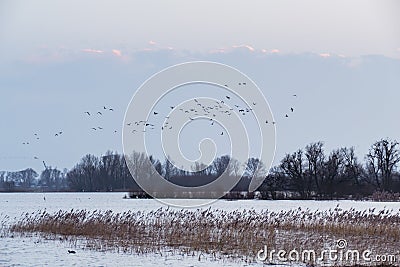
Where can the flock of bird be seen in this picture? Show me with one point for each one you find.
(58, 134)
(197, 109)
(99, 113)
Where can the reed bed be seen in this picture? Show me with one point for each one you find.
(238, 234)
(4, 229)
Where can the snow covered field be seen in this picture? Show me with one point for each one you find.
(28, 252)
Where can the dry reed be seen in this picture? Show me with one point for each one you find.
(222, 234)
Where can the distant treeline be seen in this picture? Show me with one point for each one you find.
(308, 173)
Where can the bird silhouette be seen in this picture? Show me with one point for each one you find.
(100, 128)
(104, 107)
(155, 113)
(228, 97)
(94, 128)
(71, 251)
(111, 109)
(292, 109)
(35, 157)
(98, 112)
(295, 95)
(87, 112)
(287, 116)
(222, 133)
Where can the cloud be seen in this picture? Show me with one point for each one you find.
(275, 51)
(324, 55)
(250, 48)
(152, 42)
(116, 52)
(89, 50)
(264, 51)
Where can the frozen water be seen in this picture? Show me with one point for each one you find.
(25, 251)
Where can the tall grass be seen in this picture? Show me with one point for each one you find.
(223, 234)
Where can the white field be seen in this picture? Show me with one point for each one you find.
(26, 252)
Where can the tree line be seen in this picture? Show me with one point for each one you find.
(311, 173)
(111, 172)
(50, 179)
(307, 173)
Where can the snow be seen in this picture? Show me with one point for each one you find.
(25, 251)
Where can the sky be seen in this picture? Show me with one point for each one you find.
(356, 27)
(59, 59)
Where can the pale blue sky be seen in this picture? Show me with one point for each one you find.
(351, 28)
(62, 58)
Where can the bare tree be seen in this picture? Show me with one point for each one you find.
(155, 167)
(51, 178)
(138, 164)
(235, 167)
(275, 181)
(2, 179)
(28, 177)
(168, 169)
(352, 168)
(293, 167)
(315, 156)
(382, 160)
(255, 168)
(333, 173)
(199, 169)
(85, 175)
(221, 164)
